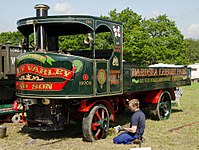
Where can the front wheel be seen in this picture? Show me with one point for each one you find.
(95, 123)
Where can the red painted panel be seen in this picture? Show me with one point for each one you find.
(86, 106)
(153, 96)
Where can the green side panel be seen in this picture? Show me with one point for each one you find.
(55, 75)
(7, 109)
(82, 81)
(101, 73)
(115, 63)
(146, 79)
(127, 79)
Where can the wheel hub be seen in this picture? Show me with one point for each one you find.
(103, 123)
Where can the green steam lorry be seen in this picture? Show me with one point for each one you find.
(8, 53)
(60, 85)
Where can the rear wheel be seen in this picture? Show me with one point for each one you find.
(95, 123)
(163, 108)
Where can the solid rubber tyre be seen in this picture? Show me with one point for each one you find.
(163, 108)
(95, 123)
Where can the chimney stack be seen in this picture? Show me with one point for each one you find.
(41, 10)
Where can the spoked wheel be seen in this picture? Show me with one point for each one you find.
(163, 109)
(95, 124)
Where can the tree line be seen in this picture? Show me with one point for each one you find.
(145, 41)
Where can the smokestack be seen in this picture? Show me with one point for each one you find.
(41, 10)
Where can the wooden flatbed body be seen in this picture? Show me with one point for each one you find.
(137, 79)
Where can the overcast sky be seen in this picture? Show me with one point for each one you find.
(185, 13)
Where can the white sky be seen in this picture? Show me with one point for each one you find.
(185, 13)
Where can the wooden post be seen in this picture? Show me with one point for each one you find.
(8, 59)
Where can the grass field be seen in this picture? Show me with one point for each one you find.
(158, 134)
(179, 132)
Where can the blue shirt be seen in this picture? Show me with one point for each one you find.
(138, 119)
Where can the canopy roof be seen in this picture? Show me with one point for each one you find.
(66, 25)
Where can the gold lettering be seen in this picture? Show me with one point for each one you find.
(48, 86)
(43, 71)
(22, 86)
(85, 83)
(66, 73)
(144, 72)
(181, 71)
(50, 72)
(58, 71)
(35, 86)
(20, 70)
(35, 69)
(30, 67)
(42, 86)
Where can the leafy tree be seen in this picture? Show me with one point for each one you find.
(71, 42)
(76, 42)
(14, 37)
(166, 43)
(193, 47)
(150, 41)
(104, 41)
(131, 25)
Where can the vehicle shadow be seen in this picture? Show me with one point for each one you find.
(123, 118)
(70, 131)
(175, 110)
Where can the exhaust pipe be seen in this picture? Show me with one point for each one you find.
(41, 10)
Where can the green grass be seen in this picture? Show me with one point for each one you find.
(157, 132)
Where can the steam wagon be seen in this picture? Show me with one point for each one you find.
(8, 53)
(60, 83)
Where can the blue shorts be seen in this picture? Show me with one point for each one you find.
(125, 138)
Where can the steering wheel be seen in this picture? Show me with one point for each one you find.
(32, 44)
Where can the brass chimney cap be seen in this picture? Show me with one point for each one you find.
(42, 6)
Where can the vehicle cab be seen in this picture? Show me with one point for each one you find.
(69, 56)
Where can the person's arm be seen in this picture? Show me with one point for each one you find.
(132, 129)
